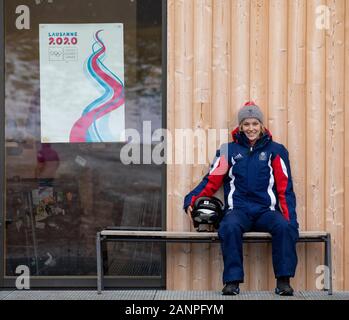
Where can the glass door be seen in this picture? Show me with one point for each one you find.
(77, 74)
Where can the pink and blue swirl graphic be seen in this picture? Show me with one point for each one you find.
(87, 129)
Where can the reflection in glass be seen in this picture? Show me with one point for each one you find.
(59, 195)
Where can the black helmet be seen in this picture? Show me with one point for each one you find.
(207, 211)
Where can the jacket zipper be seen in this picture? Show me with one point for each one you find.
(248, 175)
(251, 150)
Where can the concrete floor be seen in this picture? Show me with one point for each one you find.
(162, 295)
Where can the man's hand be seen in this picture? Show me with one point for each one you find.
(189, 211)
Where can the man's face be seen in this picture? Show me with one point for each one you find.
(252, 129)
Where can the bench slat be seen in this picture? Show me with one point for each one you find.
(201, 235)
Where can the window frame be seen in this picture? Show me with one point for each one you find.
(81, 281)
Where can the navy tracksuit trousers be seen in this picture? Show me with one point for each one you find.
(284, 238)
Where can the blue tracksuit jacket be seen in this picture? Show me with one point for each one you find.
(256, 179)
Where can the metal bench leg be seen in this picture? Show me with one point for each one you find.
(100, 285)
(105, 260)
(328, 262)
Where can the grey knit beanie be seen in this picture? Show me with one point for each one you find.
(250, 110)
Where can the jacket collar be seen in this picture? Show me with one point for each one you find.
(240, 138)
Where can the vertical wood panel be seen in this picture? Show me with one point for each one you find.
(184, 54)
(201, 120)
(258, 253)
(346, 152)
(259, 40)
(335, 135)
(277, 89)
(315, 96)
(240, 82)
(170, 126)
(240, 59)
(277, 96)
(296, 121)
(220, 104)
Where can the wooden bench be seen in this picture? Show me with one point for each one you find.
(110, 234)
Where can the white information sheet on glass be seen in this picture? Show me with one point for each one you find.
(82, 89)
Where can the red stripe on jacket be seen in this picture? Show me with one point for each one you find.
(281, 181)
(215, 180)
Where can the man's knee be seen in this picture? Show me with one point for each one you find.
(231, 227)
(283, 226)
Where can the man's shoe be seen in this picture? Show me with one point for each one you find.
(231, 289)
(283, 287)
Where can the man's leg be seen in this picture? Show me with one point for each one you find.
(284, 239)
(231, 230)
